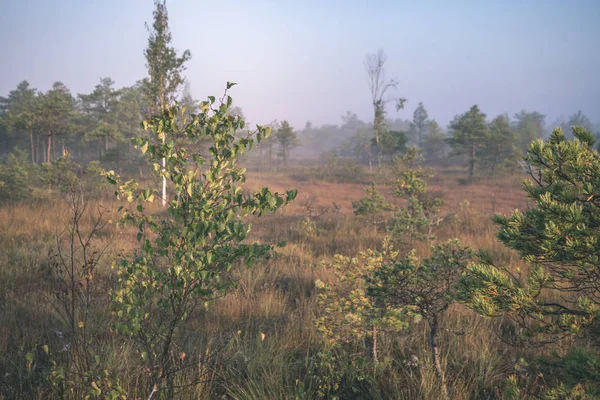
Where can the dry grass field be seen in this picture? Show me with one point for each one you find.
(258, 342)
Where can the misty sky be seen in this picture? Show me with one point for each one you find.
(303, 60)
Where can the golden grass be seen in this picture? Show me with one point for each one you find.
(269, 319)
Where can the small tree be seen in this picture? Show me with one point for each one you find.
(287, 138)
(417, 219)
(371, 206)
(434, 143)
(578, 119)
(185, 255)
(350, 314)
(500, 145)
(528, 126)
(62, 174)
(16, 178)
(392, 142)
(469, 133)
(420, 124)
(425, 288)
(559, 237)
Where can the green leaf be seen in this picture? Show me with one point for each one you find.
(193, 243)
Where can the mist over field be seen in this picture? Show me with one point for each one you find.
(300, 200)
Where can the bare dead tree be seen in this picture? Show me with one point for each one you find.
(379, 85)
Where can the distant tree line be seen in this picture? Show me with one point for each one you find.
(93, 126)
(482, 145)
(100, 125)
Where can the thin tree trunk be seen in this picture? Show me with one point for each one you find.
(163, 106)
(376, 129)
(472, 160)
(435, 354)
(495, 162)
(49, 149)
(375, 359)
(164, 179)
(37, 153)
(44, 155)
(32, 147)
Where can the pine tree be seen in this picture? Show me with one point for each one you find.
(287, 138)
(577, 119)
(371, 206)
(130, 111)
(559, 236)
(528, 126)
(425, 288)
(55, 113)
(469, 133)
(19, 110)
(500, 145)
(129, 114)
(418, 218)
(434, 143)
(420, 123)
(101, 111)
(392, 142)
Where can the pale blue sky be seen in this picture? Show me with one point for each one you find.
(303, 60)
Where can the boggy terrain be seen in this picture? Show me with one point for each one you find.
(263, 334)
